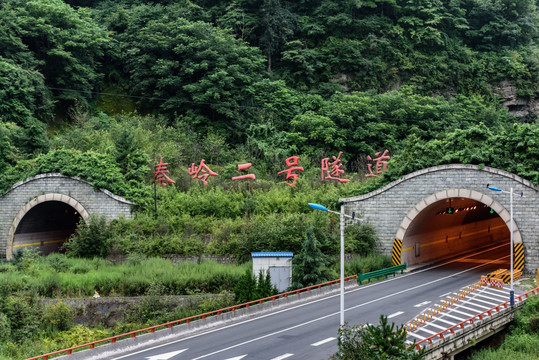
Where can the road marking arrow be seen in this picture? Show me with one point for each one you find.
(237, 357)
(165, 356)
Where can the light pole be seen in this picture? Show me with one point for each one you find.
(342, 216)
(510, 192)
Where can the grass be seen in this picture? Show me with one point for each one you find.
(81, 277)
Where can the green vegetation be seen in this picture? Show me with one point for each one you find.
(522, 341)
(376, 342)
(102, 89)
(57, 276)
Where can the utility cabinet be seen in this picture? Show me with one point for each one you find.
(279, 266)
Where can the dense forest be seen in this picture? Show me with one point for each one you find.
(105, 89)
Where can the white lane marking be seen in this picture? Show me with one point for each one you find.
(417, 336)
(445, 321)
(471, 305)
(237, 357)
(426, 330)
(495, 296)
(462, 312)
(324, 299)
(422, 304)
(445, 295)
(454, 317)
(321, 342)
(437, 326)
(284, 356)
(486, 302)
(395, 314)
(503, 291)
(165, 356)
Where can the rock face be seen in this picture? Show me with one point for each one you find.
(517, 106)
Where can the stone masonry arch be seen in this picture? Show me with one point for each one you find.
(36, 201)
(45, 191)
(404, 206)
(463, 193)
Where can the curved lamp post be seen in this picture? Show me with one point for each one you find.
(510, 192)
(342, 216)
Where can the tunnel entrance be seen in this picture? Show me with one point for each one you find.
(46, 227)
(451, 227)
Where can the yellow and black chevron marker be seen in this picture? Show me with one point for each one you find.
(518, 256)
(396, 252)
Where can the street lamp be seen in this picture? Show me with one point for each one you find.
(510, 192)
(342, 216)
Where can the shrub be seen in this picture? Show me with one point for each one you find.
(80, 334)
(359, 265)
(58, 316)
(383, 341)
(360, 239)
(57, 262)
(5, 328)
(90, 239)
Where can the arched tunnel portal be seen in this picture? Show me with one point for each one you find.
(46, 227)
(42, 211)
(453, 227)
(449, 210)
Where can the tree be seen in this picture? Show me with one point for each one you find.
(360, 239)
(195, 70)
(375, 342)
(248, 288)
(310, 265)
(278, 26)
(64, 44)
(131, 160)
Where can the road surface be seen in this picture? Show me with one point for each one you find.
(309, 330)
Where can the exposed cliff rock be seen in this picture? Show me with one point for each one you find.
(517, 106)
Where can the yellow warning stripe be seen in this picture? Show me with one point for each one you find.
(396, 252)
(518, 256)
(39, 243)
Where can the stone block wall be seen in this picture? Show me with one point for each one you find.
(75, 192)
(393, 206)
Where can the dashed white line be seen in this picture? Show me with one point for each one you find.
(395, 314)
(284, 356)
(321, 342)
(422, 304)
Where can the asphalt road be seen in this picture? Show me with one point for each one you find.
(309, 330)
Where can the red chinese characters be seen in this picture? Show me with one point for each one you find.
(332, 170)
(201, 172)
(381, 163)
(160, 174)
(243, 177)
(291, 161)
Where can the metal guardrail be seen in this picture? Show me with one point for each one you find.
(151, 329)
(480, 316)
(382, 272)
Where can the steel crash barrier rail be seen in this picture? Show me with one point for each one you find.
(462, 324)
(382, 272)
(152, 329)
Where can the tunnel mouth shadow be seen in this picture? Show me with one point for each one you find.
(443, 227)
(46, 227)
